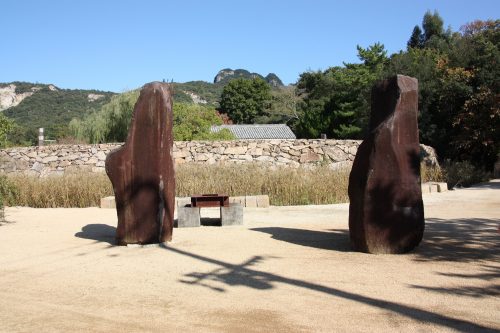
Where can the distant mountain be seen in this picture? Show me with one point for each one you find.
(201, 92)
(198, 92)
(34, 105)
(227, 74)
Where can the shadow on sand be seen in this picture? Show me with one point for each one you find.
(98, 232)
(451, 240)
(336, 240)
(461, 240)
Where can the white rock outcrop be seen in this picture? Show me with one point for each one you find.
(9, 98)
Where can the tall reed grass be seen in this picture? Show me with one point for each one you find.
(285, 186)
(73, 190)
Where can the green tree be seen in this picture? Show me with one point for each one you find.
(336, 101)
(432, 24)
(417, 38)
(282, 108)
(6, 126)
(458, 90)
(243, 100)
(193, 122)
(112, 122)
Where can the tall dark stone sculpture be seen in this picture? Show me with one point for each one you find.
(386, 212)
(142, 171)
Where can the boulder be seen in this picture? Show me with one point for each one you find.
(386, 212)
(142, 171)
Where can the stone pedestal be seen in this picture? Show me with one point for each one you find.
(188, 217)
(142, 171)
(386, 212)
(232, 215)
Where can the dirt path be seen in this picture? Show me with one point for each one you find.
(289, 269)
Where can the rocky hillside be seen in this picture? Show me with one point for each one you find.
(227, 74)
(45, 105)
(34, 105)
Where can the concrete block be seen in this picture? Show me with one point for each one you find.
(237, 200)
(262, 201)
(433, 187)
(182, 201)
(232, 215)
(250, 201)
(108, 202)
(426, 188)
(442, 187)
(188, 217)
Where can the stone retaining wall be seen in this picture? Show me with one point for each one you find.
(58, 159)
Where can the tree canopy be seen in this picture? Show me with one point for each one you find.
(112, 122)
(243, 100)
(336, 101)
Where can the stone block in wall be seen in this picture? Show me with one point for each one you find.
(101, 156)
(37, 166)
(310, 157)
(181, 154)
(49, 159)
(335, 154)
(265, 159)
(201, 157)
(283, 160)
(235, 151)
(256, 152)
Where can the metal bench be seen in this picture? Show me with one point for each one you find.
(189, 215)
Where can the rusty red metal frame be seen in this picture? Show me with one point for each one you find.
(209, 200)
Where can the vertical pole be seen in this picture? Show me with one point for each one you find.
(40, 137)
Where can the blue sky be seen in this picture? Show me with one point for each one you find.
(120, 45)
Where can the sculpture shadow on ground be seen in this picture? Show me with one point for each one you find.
(227, 274)
(98, 232)
(337, 240)
(461, 240)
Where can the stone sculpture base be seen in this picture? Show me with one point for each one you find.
(386, 213)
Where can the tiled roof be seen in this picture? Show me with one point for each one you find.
(267, 131)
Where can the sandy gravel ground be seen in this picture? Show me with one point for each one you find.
(288, 269)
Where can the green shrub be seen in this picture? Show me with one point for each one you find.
(464, 174)
(7, 192)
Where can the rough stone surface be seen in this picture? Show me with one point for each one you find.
(289, 153)
(386, 213)
(142, 171)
